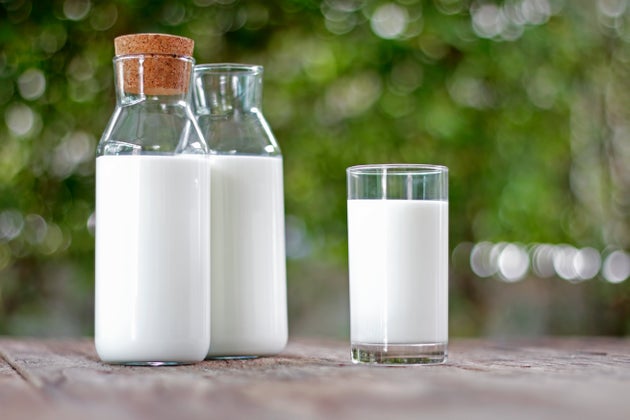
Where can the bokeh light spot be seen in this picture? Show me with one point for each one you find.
(536, 12)
(507, 21)
(35, 229)
(450, 7)
(53, 239)
(32, 84)
(104, 17)
(513, 263)
(617, 267)
(339, 15)
(75, 149)
(487, 20)
(20, 119)
(542, 260)
(52, 38)
(76, 9)
(80, 68)
(563, 262)
(173, 13)
(612, 8)
(389, 21)
(480, 260)
(349, 97)
(587, 263)
(11, 224)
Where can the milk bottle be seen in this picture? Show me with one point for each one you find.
(248, 280)
(152, 303)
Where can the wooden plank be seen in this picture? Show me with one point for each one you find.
(543, 379)
(16, 392)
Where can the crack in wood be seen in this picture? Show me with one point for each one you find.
(30, 379)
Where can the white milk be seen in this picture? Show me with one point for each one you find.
(249, 307)
(398, 257)
(152, 265)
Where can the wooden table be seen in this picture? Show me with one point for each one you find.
(551, 378)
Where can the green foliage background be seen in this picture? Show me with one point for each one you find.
(526, 101)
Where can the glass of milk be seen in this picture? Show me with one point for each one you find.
(398, 261)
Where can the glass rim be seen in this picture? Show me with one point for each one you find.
(396, 168)
(229, 68)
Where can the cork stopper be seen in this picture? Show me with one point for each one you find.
(154, 44)
(164, 68)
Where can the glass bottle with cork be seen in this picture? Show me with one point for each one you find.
(152, 211)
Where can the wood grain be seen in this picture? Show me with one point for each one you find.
(555, 378)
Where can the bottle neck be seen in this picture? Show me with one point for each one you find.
(224, 89)
(154, 77)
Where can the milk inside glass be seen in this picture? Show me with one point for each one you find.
(152, 265)
(249, 312)
(398, 270)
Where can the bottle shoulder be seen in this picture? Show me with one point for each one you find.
(152, 127)
(244, 133)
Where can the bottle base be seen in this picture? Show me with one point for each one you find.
(149, 363)
(399, 354)
(232, 357)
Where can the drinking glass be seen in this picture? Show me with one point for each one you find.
(398, 261)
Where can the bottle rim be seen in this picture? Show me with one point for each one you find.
(125, 57)
(237, 69)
